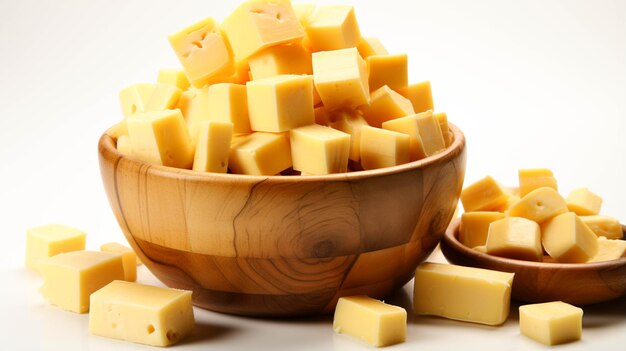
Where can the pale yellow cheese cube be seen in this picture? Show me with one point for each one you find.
(539, 205)
(194, 105)
(442, 118)
(609, 249)
(567, 239)
(606, 226)
(430, 132)
(408, 125)
(117, 130)
(535, 178)
(123, 146)
(370, 46)
(203, 52)
(281, 59)
(383, 148)
(483, 195)
(228, 102)
(213, 147)
(162, 138)
(175, 77)
(164, 97)
(134, 98)
(389, 70)
(280, 103)
(584, 202)
(49, 240)
(340, 78)
(304, 13)
(141, 313)
(385, 105)
(256, 25)
(515, 237)
(69, 278)
(318, 150)
(333, 28)
(462, 293)
(551, 323)
(475, 227)
(420, 95)
(351, 122)
(129, 259)
(260, 154)
(377, 323)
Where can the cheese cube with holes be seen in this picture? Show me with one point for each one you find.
(389, 70)
(385, 105)
(370, 46)
(567, 239)
(318, 150)
(134, 98)
(281, 59)
(351, 122)
(551, 323)
(141, 313)
(213, 147)
(609, 249)
(280, 103)
(129, 259)
(194, 105)
(606, 226)
(175, 77)
(383, 148)
(333, 28)
(340, 78)
(584, 202)
(535, 178)
(420, 95)
(50, 240)
(475, 227)
(430, 132)
(483, 195)
(515, 237)
(408, 125)
(69, 278)
(539, 205)
(260, 154)
(164, 97)
(228, 102)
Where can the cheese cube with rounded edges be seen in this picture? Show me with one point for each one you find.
(383, 148)
(584, 202)
(228, 102)
(164, 97)
(515, 237)
(389, 70)
(213, 147)
(408, 125)
(333, 28)
(340, 77)
(50, 240)
(609, 249)
(351, 122)
(129, 259)
(483, 195)
(134, 98)
(535, 178)
(430, 132)
(420, 95)
(280, 103)
(318, 150)
(370, 46)
(175, 77)
(551, 323)
(260, 154)
(567, 239)
(194, 105)
(385, 105)
(123, 145)
(539, 205)
(606, 226)
(281, 59)
(475, 227)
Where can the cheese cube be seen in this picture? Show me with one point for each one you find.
(442, 118)
(304, 13)
(322, 116)
(430, 132)
(535, 178)
(318, 150)
(475, 227)
(123, 145)
(260, 154)
(117, 130)
(333, 28)
(340, 78)
(511, 199)
(539, 205)
(385, 105)
(141, 313)
(228, 102)
(161, 138)
(370, 46)
(462, 293)
(551, 323)
(351, 122)
(280, 103)
(281, 59)
(383, 148)
(259, 24)
(606, 226)
(69, 278)
(515, 237)
(50, 240)
(203, 52)
(194, 105)
(584, 202)
(483, 195)
(129, 259)
(164, 97)
(609, 250)
(175, 77)
(420, 95)
(408, 125)
(213, 147)
(389, 70)
(567, 239)
(377, 323)
(134, 98)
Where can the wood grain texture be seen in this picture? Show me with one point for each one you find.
(283, 245)
(575, 283)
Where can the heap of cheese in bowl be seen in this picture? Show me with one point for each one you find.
(277, 88)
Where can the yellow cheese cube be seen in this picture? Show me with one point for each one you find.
(319, 150)
(377, 323)
(475, 227)
(420, 95)
(515, 237)
(123, 145)
(369, 46)
(175, 77)
(385, 105)
(164, 97)
(535, 178)
(260, 154)
(567, 239)
(304, 13)
(511, 199)
(408, 125)
(129, 259)
(333, 28)
(389, 70)
(609, 249)
(551, 323)
(117, 130)
(442, 118)
(351, 122)
(606, 226)
(430, 132)
(134, 98)
(141, 313)
(483, 195)
(383, 148)
(213, 147)
(584, 202)
(281, 59)
(194, 105)
(228, 102)
(49, 240)
(322, 116)
(69, 278)
(258, 24)
(280, 103)
(203, 52)
(162, 138)
(539, 205)
(462, 293)
(340, 78)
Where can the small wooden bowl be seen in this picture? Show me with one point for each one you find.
(575, 283)
(283, 245)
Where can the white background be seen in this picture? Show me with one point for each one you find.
(531, 83)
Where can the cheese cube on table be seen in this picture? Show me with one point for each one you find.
(123, 146)
(69, 278)
(175, 77)
(194, 105)
(584, 202)
(567, 239)
(475, 227)
(260, 154)
(129, 259)
(515, 237)
(606, 226)
(340, 78)
(385, 105)
(141, 313)
(281, 59)
(50, 240)
(483, 195)
(333, 28)
(408, 125)
(318, 150)
(420, 95)
(535, 178)
(430, 133)
(228, 102)
(389, 70)
(383, 148)
(351, 122)
(371, 320)
(134, 98)
(442, 118)
(213, 147)
(539, 205)
(164, 97)
(370, 46)
(609, 249)
(551, 323)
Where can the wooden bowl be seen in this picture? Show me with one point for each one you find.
(283, 245)
(575, 283)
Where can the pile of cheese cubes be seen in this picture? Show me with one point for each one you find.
(281, 88)
(522, 223)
